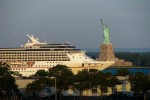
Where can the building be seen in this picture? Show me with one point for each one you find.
(123, 88)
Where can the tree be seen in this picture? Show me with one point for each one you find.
(103, 81)
(7, 82)
(41, 73)
(34, 87)
(140, 83)
(63, 75)
(113, 81)
(4, 69)
(89, 79)
(39, 84)
(123, 72)
(82, 81)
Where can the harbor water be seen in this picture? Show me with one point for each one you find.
(132, 70)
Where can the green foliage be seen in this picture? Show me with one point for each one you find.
(113, 81)
(82, 80)
(64, 76)
(4, 69)
(7, 82)
(102, 81)
(39, 84)
(123, 72)
(59, 70)
(41, 73)
(34, 87)
(88, 79)
(138, 59)
(140, 83)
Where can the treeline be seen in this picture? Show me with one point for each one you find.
(138, 59)
(62, 78)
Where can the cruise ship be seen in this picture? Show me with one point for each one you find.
(36, 55)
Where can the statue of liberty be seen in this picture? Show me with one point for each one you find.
(106, 33)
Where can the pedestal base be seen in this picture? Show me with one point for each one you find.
(106, 52)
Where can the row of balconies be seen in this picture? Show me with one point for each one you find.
(36, 59)
(19, 52)
(32, 55)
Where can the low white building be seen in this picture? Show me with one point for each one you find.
(123, 88)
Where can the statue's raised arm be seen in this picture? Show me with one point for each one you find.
(106, 33)
(102, 23)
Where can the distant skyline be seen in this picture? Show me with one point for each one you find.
(75, 21)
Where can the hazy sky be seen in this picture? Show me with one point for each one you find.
(75, 21)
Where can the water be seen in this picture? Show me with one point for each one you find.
(132, 70)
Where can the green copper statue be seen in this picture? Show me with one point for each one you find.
(106, 33)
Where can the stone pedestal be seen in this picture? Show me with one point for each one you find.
(106, 52)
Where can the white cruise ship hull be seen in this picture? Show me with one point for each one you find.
(36, 55)
(41, 65)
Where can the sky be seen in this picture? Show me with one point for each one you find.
(75, 21)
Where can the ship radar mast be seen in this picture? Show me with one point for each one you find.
(32, 41)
